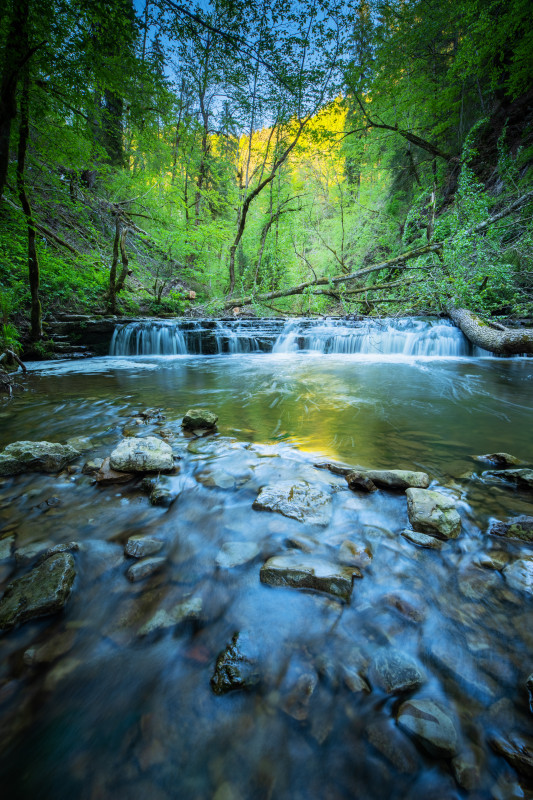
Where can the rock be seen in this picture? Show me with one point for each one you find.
(517, 750)
(41, 592)
(218, 478)
(301, 571)
(358, 480)
(523, 478)
(354, 554)
(159, 496)
(145, 568)
(392, 478)
(298, 686)
(494, 559)
(466, 768)
(199, 418)
(429, 723)
(142, 546)
(29, 552)
(93, 466)
(148, 454)
(66, 547)
(422, 539)
(35, 457)
(107, 476)
(354, 680)
(475, 584)
(392, 744)
(80, 443)
(518, 529)
(498, 459)
(299, 501)
(53, 648)
(395, 672)
(303, 543)
(6, 547)
(234, 554)
(236, 667)
(433, 513)
(409, 605)
(519, 575)
(455, 661)
(187, 611)
(529, 686)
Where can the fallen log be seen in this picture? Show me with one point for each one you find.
(495, 338)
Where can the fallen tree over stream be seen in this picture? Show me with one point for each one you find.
(491, 335)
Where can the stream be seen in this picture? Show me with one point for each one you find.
(102, 701)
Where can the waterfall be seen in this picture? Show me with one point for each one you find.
(403, 336)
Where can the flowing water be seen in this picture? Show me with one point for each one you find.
(113, 711)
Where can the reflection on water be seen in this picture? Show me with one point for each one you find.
(109, 712)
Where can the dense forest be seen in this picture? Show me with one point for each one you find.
(298, 158)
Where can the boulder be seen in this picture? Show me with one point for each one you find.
(199, 418)
(236, 666)
(299, 501)
(41, 592)
(148, 454)
(523, 478)
(429, 723)
(519, 575)
(433, 513)
(519, 529)
(142, 546)
(234, 554)
(421, 539)
(35, 457)
(390, 478)
(395, 672)
(517, 750)
(500, 460)
(301, 571)
(143, 569)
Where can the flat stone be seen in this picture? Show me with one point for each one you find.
(395, 672)
(392, 744)
(519, 575)
(107, 476)
(523, 478)
(301, 571)
(234, 554)
(299, 501)
(142, 546)
(392, 478)
(518, 529)
(422, 539)
(355, 554)
(145, 568)
(148, 454)
(187, 611)
(433, 513)
(517, 750)
(498, 459)
(35, 457)
(236, 667)
(93, 466)
(198, 418)
(41, 592)
(6, 547)
(429, 723)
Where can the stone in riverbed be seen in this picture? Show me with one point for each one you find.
(143, 569)
(142, 546)
(523, 478)
(529, 687)
(388, 478)
(429, 723)
(519, 575)
(187, 611)
(395, 672)
(107, 476)
(422, 539)
(392, 744)
(517, 750)
(199, 418)
(359, 481)
(6, 547)
(236, 667)
(299, 501)
(93, 466)
(148, 454)
(433, 513)
(35, 457)
(355, 554)
(518, 529)
(160, 496)
(41, 592)
(500, 460)
(235, 554)
(301, 571)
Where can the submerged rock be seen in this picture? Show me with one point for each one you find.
(429, 723)
(299, 501)
(523, 478)
(354, 554)
(35, 457)
(198, 418)
(93, 466)
(395, 672)
(301, 571)
(433, 513)
(148, 454)
(517, 750)
(142, 546)
(29, 552)
(390, 478)
(466, 768)
(236, 667)
(409, 605)
(453, 660)
(422, 539)
(519, 575)
(143, 569)
(6, 547)
(234, 554)
(160, 496)
(187, 611)
(394, 745)
(41, 592)
(529, 687)
(501, 460)
(520, 529)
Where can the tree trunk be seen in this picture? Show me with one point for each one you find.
(497, 339)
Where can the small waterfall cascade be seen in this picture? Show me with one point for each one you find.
(402, 336)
